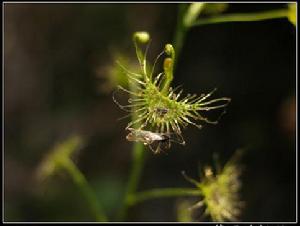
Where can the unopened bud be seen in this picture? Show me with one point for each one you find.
(169, 50)
(141, 36)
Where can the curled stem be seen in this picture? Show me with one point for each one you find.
(168, 68)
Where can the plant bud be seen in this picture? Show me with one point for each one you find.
(141, 36)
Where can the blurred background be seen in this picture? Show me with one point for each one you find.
(58, 59)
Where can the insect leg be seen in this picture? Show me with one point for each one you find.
(167, 145)
(151, 148)
(182, 141)
(158, 150)
(177, 131)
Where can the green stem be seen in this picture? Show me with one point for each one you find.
(138, 162)
(242, 17)
(180, 32)
(85, 188)
(135, 174)
(162, 193)
(138, 159)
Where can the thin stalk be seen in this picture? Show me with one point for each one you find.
(242, 17)
(162, 193)
(85, 188)
(138, 159)
(135, 174)
(180, 32)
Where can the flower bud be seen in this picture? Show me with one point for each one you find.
(169, 50)
(141, 36)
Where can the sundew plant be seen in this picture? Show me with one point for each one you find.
(157, 107)
(157, 114)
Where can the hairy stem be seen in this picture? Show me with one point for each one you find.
(242, 17)
(85, 188)
(162, 193)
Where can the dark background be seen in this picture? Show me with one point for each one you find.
(52, 58)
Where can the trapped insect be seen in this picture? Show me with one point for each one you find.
(155, 141)
(161, 111)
